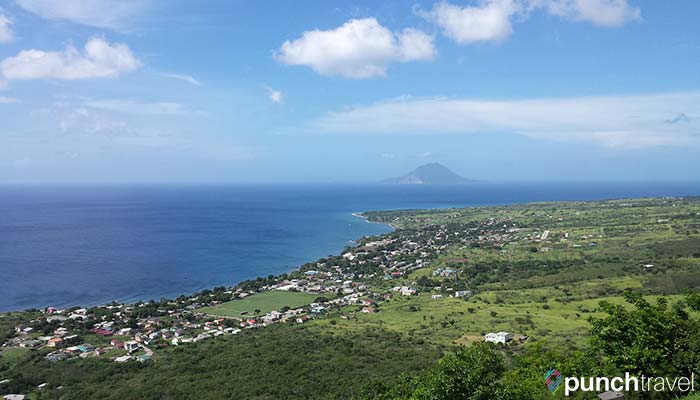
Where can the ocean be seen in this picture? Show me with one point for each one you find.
(88, 245)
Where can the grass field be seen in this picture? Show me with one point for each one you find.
(264, 302)
(12, 355)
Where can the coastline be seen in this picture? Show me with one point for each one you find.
(291, 267)
(362, 215)
(297, 268)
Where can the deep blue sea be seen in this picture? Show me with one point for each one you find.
(88, 245)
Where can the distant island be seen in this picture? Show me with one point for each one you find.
(429, 174)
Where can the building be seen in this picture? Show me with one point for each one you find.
(14, 397)
(500, 337)
(131, 345)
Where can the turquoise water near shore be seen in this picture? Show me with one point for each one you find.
(88, 245)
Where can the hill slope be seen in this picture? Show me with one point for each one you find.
(433, 173)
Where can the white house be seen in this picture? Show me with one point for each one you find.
(14, 397)
(463, 293)
(437, 296)
(131, 345)
(500, 337)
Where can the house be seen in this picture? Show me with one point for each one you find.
(437, 296)
(118, 344)
(56, 356)
(86, 348)
(71, 339)
(124, 332)
(500, 337)
(444, 272)
(318, 309)
(55, 342)
(14, 397)
(122, 359)
(202, 336)
(131, 345)
(463, 293)
(60, 332)
(30, 344)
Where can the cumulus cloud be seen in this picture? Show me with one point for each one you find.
(615, 121)
(605, 13)
(99, 59)
(6, 34)
(490, 20)
(358, 49)
(113, 14)
(185, 78)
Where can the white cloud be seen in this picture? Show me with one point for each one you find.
(185, 78)
(275, 96)
(8, 100)
(99, 59)
(606, 13)
(488, 21)
(491, 20)
(136, 107)
(358, 49)
(113, 14)
(6, 34)
(76, 120)
(616, 121)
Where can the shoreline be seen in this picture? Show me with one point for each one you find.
(357, 214)
(361, 215)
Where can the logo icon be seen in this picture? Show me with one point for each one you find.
(553, 379)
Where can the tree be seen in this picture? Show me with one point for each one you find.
(472, 373)
(649, 339)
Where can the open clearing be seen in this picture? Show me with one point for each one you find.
(264, 302)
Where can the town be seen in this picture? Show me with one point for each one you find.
(360, 278)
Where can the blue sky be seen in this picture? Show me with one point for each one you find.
(226, 91)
